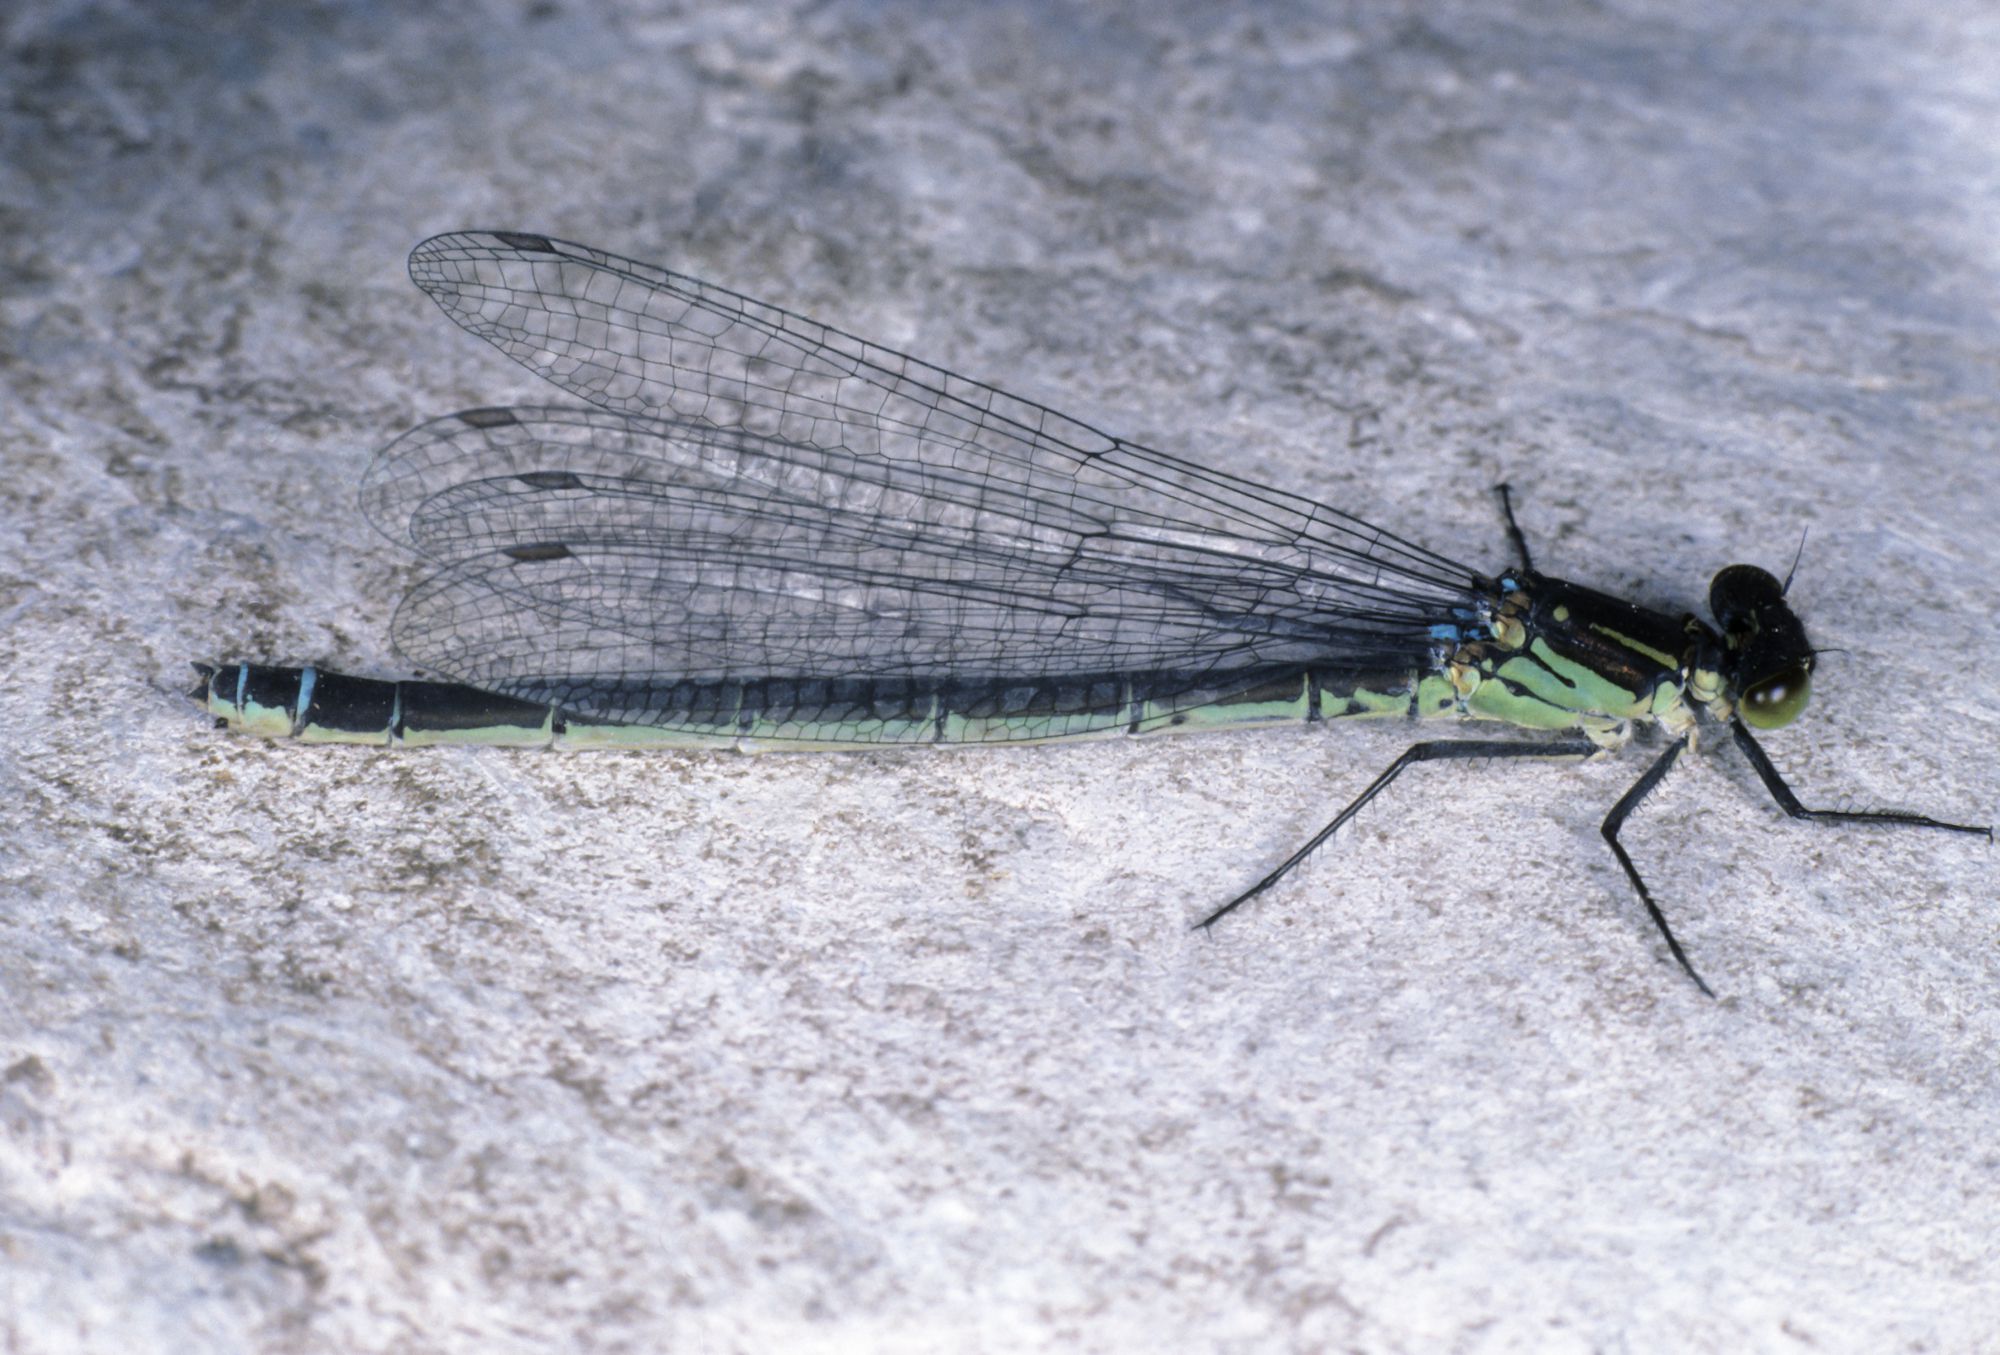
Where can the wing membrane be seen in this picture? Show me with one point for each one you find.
(754, 495)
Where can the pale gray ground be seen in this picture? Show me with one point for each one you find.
(334, 1051)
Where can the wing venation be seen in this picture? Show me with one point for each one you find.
(751, 495)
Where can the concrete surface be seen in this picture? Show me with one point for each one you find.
(307, 1050)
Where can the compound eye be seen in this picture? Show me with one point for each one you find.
(1776, 701)
(1738, 593)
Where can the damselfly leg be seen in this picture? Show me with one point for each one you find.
(1789, 802)
(1441, 750)
(1615, 820)
(1514, 532)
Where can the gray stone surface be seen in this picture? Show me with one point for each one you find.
(339, 1051)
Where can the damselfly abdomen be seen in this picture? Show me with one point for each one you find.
(764, 533)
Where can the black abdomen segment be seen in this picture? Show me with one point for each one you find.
(313, 705)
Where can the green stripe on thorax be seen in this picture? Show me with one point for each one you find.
(1559, 656)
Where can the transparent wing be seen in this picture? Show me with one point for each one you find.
(587, 543)
(755, 495)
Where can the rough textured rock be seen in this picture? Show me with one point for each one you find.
(313, 1050)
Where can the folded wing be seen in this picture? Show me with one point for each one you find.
(754, 495)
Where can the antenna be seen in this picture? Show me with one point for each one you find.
(1797, 555)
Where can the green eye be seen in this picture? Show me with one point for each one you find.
(1776, 701)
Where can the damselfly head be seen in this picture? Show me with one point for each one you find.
(1770, 661)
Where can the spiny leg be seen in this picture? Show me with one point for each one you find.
(1789, 802)
(1514, 531)
(1616, 820)
(1438, 751)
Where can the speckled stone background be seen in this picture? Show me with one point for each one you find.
(328, 1051)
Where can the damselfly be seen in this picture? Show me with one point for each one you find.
(764, 533)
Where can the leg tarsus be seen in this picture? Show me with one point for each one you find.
(1438, 750)
(1616, 820)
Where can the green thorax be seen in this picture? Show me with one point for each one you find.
(1560, 656)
